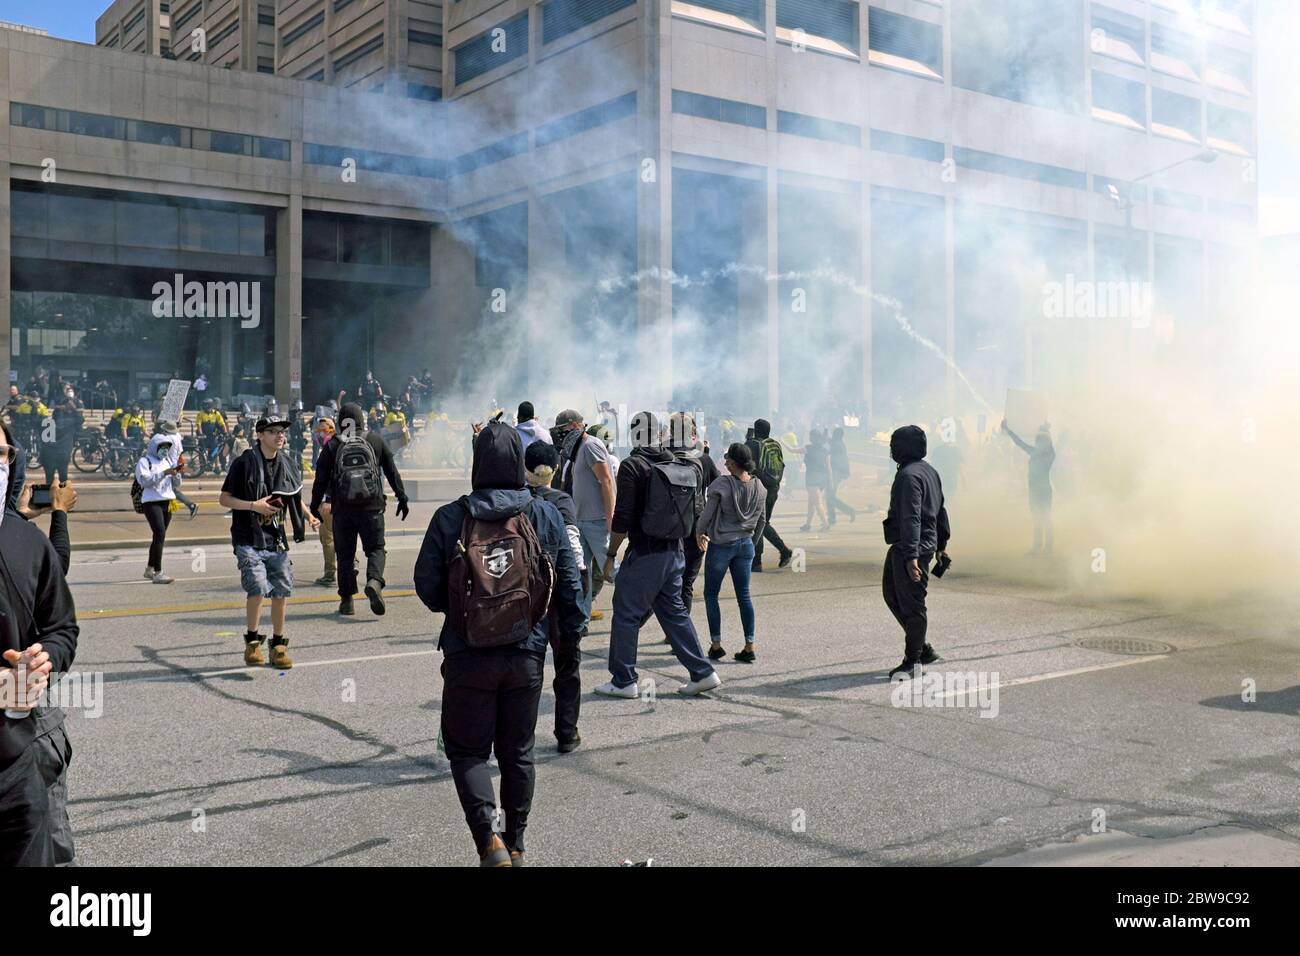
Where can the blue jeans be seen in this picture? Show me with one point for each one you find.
(595, 547)
(647, 582)
(738, 557)
(264, 573)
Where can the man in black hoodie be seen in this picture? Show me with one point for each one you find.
(362, 518)
(684, 443)
(38, 637)
(490, 695)
(916, 527)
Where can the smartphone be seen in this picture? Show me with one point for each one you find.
(275, 502)
(941, 566)
(41, 497)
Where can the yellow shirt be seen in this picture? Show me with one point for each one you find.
(392, 417)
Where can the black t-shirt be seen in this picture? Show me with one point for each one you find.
(264, 532)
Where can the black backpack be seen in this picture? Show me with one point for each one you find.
(672, 500)
(356, 475)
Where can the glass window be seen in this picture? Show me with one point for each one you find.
(320, 237)
(30, 214)
(151, 225)
(252, 234)
(363, 241)
(81, 219)
(210, 230)
(410, 244)
(91, 124)
(160, 134)
(269, 148)
(236, 143)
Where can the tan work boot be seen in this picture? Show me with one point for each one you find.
(280, 656)
(253, 653)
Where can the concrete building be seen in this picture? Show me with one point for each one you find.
(753, 204)
(136, 26)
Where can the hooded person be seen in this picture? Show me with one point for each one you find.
(1042, 455)
(529, 428)
(916, 528)
(769, 468)
(654, 512)
(492, 668)
(155, 474)
(348, 472)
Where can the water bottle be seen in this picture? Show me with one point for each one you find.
(17, 714)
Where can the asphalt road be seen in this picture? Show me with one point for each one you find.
(1084, 756)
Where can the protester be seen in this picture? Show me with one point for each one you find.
(212, 431)
(63, 498)
(839, 472)
(769, 468)
(325, 427)
(262, 484)
(58, 440)
(916, 528)
(540, 461)
(605, 435)
(529, 428)
(156, 473)
(370, 391)
(349, 471)
(655, 511)
(585, 474)
(817, 477)
(733, 519)
(684, 443)
(1041, 457)
(38, 637)
(492, 675)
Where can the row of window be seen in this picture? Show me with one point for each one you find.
(1124, 37)
(1124, 103)
(139, 131)
(353, 240)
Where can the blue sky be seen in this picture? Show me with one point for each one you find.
(1279, 102)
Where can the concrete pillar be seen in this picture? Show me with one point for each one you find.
(288, 300)
(654, 210)
(547, 303)
(5, 252)
(451, 287)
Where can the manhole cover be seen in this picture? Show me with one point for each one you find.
(1124, 645)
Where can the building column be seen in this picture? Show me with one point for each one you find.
(452, 304)
(288, 301)
(654, 213)
(547, 299)
(6, 360)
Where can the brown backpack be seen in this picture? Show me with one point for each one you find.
(499, 581)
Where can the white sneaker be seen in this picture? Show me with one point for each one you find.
(700, 686)
(607, 689)
(160, 578)
(149, 573)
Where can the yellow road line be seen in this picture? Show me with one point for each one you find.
(213, 606)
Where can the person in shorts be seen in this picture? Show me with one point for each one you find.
(263, 485)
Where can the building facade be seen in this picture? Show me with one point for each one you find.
(749, 204)
(136, 26)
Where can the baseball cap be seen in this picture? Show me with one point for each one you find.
(274, 421)
(568, 417)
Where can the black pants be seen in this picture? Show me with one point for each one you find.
(906, 598)
(55, 459)
(34, 827)
(833, 502)
(769, 533)
(694, 561)
(489, 702)
(369, 527)
(567, 685)
(159, 516)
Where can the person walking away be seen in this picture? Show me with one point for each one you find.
(263, 484)
(734, 514)
(155, 474)
(498, 540)
(325, 426)
(916, 529)
(586, 475)
(529, 428)
(1042, 455)
(351, 469)
(655, 511)
(684, 443)
(817, 477)
(540, 461)
(769, 468)
(57, 441)
(839, 472)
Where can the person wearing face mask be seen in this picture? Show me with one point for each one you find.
(154, 474)
(38, 638)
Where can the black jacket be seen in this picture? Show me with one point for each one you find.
(324, 482)
(629, 506)
(36, 607)
(917, 523)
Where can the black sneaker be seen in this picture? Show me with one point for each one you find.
(929, 655)
(374, 591)
(906, 668)
(569, 746)
(756, 567)
(345, 607)
(716, 653)
(744, 656)
(786, 558)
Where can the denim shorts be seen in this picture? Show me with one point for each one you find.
(264, 573)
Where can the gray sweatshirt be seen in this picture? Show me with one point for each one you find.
(734, 510)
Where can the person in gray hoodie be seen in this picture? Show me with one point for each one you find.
(733, 520)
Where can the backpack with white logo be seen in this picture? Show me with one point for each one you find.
(672, 496)
(499, 580)
(356, 475)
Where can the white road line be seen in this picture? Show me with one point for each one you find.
(340, 660)
(1035, 678)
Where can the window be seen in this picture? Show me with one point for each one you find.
(1230, 130)
(81, 219)
(1119, 36)
(1176, 116)
(496, 47)
(111, 41)
(715, 108)
(132, 23)
(318, 76)
(743, 15)
(311, 23)
(265, 64)
(32, 117)
(30, 216)
(418, 91)
(90, 124)
(492, 153)
(164, 8)
(1019, 168)
(500, 246)
(1174, 53)
(574, 123)
(409, 244)
(235, 143)
(904, 43)
(145, 224)
(268, 148)
(1235, 15)
(1022, 50)
(320, 237)
(363, 241)
(319, 155)
(798, 124)
(1177, 200)
(562, 17)
(209, 230)
(340, 4)
(1229, 70)
(160, 134)
(901, 145)
(223, 33)
(829, 25)
(1118, 101)
(187, 16)
(266, 16)
(370, 46)
(421, 36)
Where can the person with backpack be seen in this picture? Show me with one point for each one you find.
(492, 563)
(769, 468)
(657, 505)
(262, 485)
(684, 443)
(540, 461)
(351, 469)
(732, 521)
(153, 495)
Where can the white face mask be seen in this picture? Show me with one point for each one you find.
(4, 487)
